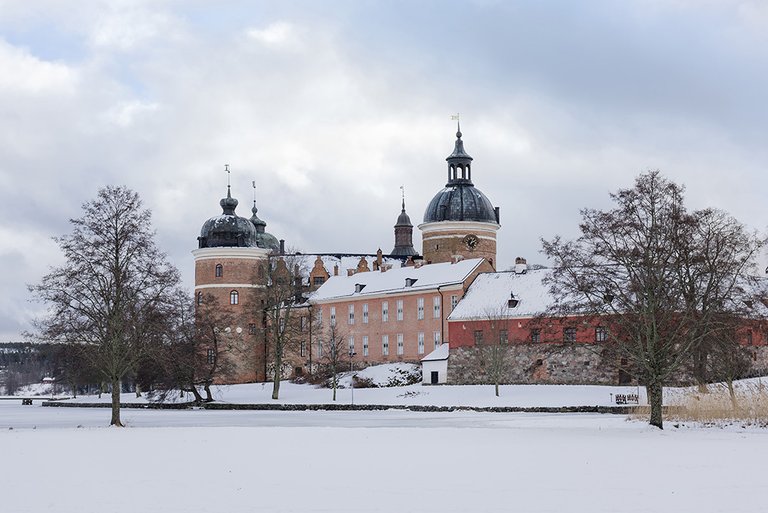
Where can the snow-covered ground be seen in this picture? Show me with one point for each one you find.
(230, 461)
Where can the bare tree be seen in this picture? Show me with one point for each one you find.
(492, 351)
(114, 281)
(282, 304)
(631, 267)
(335, 355)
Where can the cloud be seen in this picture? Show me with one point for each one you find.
(27, 75)
(279, 34)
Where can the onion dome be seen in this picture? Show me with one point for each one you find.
(263, 239)
(460, 200)
(227, 229)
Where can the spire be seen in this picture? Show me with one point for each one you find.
(229, 203)
(403, 232)
(459, 162)
(258, 223)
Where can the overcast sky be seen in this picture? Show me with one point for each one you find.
(331, 106)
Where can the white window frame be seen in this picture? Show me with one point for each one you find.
(399, 309)
(365, 313)
(436, 338)
(365, 345)
(333, 316)
(351, 316)
(454, 302)
(385, 345)
(436, 307)
(400, 344)
(351, 344)
(421, 342)
(384, 311)
(420, 308)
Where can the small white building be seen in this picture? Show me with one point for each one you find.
(434, 366)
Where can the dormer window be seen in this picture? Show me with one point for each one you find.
(410, 281)
(512, 302)
(359, 287)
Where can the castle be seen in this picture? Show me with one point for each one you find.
(401, 306)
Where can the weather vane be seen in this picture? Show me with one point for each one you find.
(254, 192)
(455, 117)
(226, 168)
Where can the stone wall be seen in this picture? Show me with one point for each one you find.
(566, 364)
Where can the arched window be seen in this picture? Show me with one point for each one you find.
(199, 298)
(219, 270)
(234, 298)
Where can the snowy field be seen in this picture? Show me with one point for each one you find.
(388, 461)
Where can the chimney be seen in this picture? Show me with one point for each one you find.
(282, 246)
(379, 258)
(350, 272)
(521, 266)
(335, 270)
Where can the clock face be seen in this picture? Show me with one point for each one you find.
(471, 241)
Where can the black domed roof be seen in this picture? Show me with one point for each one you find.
(460, 200)
(227, 229)
(263, 239)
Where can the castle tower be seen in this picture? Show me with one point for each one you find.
(230, 265)
(404, 234)
(460, 222)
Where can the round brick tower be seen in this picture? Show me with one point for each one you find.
(460, 222)
(230, 266)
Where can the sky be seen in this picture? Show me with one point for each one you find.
(332, 106)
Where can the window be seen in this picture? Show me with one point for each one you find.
(399, 343)
(199, 298)
(569, 334)
(601, 334)
(399, 309)
(536, 335)
(365, 313)
(351, 318)
(252, 328)
(420, 308)
(365, 345)
(421, 342)
(319, 315)
(503, 336)
(302, 349)
(384, 311)
(333, 316)
(319, 348)
(219, 271)
(351, 345)
(211, 357)
(385, 345)
(478, 337)
(234, 298)
(436, 307)
(454, 302)
(318, 280)
(303, 321)
(436, 338)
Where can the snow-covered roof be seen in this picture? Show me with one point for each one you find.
(440, 353)
(426, 277)
(489, 295)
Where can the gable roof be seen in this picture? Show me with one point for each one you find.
(441, 353)
(489, 294)
(426, 277)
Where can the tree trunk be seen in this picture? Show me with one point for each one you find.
(116, 404)
(497, 388)
(732, 394)
(208, 395)
(198, 397)
(276, 379)
(655, 399)
(334, 384)
(138, 390)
